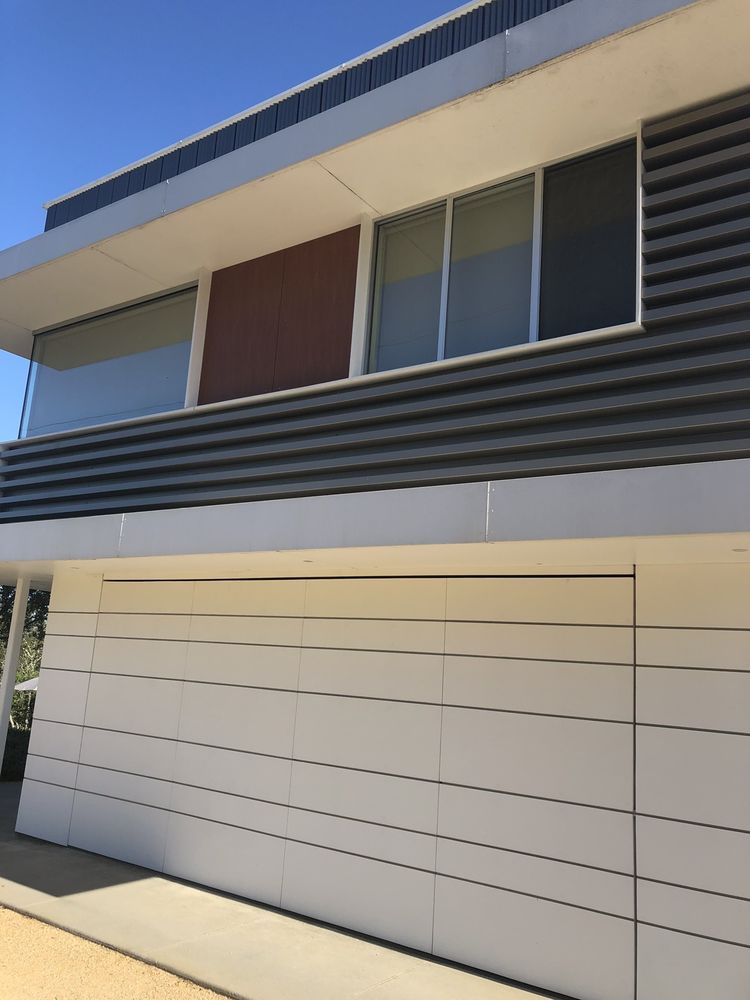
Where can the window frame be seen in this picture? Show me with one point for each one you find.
(28, 393)
(537, 173)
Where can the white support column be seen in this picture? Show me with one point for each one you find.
(358, 357)
(12, 657)
(199, 338)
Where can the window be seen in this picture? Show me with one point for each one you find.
(546, 255)
(124, 364)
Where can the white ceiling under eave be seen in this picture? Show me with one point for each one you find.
(586, 98)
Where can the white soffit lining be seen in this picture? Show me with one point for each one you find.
(595, 95)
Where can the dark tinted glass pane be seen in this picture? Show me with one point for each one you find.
(589, 243)
(490, 280)
(406, 304)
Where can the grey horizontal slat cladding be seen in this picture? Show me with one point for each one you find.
(697, 213)
(677, 392)
(411, 55)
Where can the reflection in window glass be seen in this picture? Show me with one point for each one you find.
(406, 303)
(125, 364)
(589, 243)
(489, 298)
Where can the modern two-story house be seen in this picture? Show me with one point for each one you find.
(387, 451)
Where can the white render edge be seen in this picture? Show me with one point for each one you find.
(677, 500)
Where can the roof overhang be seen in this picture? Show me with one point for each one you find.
(578, 77)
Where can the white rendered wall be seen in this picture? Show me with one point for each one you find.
(446, 763)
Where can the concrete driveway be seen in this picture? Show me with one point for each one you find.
(230, 945)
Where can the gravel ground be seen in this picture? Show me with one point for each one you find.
(39, 962)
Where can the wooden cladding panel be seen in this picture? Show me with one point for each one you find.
(241, 329)
(282, 320)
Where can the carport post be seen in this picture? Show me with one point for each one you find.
(12, 657)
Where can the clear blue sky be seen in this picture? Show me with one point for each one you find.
(89, 86)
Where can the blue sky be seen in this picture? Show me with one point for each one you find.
(89, 87)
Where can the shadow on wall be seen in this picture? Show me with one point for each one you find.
(56, 871)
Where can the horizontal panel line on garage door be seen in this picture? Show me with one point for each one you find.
(692, 822)
(694, 888)
(387, 576)
(362, 770)
(342, 816)
(676, 666)
(464, 706)
(63, 760)
(360, 649)
(704, 937)
(339, 850)
(691, 729)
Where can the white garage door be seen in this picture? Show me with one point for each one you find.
(447, 763)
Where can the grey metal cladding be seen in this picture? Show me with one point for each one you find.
(696, 207)
(411, 55)
(675, 394)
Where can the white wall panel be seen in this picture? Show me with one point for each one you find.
(149, 756)
(373, 674)
(121, 785)
(232, 810)
(557, 880)
(375, 798)
(387, 736)
(75, 592)
(373, 897)
(674, 966)
(355, 633)
(559, 600)
(123, 830)
(701, 857)
(696, 776)
(67, 652)
(61, 696)
(55, 739)
(698, 699)
(703, 596)
(56, 772)
(238, 718)
(140, 657)
(720, 649)
(238, 861)
(402, 847)
(165, 597)
(235, 628)
(562, 948)
(579, 834)
(569, 759)
(385, 598)
(256, 666)
(590, 690)
(232, 771)
(71, 623)
(44, 811)
(142, 705)
(142, 626)
(249, 597)
(592, 644)
(702, 913)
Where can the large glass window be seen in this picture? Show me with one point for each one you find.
(125, 364)
(406, 305)
(547, 255)
(489, 292)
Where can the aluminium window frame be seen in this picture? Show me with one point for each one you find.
(362, 366)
